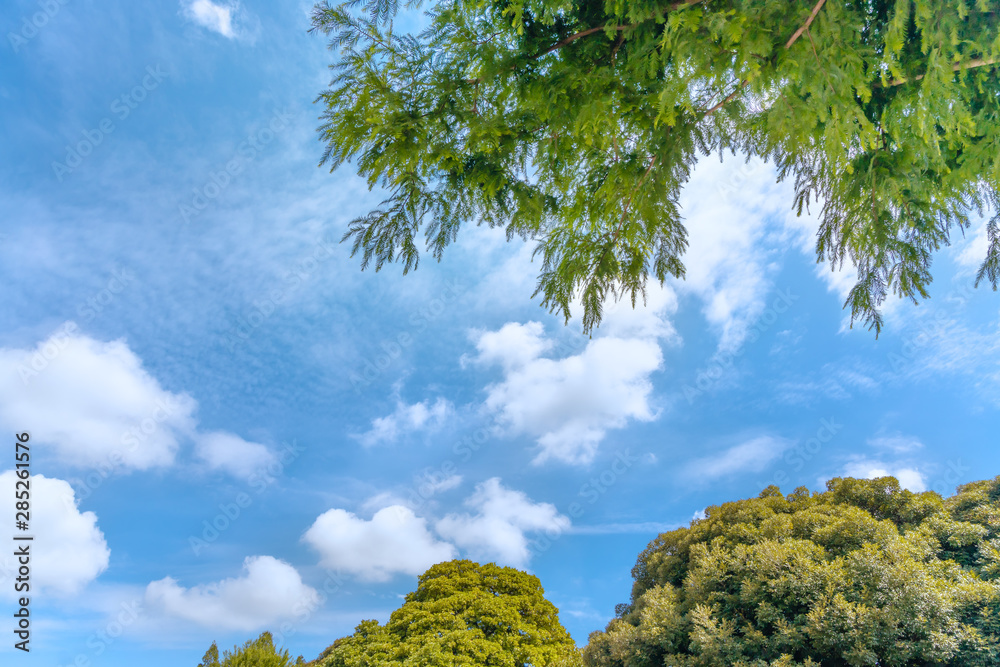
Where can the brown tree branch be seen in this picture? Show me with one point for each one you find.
(957, 67)
(805, 26)
(727, 99)
(592, 271)
(590, 31)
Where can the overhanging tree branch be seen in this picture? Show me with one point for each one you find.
(957, 67)
(590, 31)
(805, 26)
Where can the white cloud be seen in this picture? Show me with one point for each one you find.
(232, 454)
(94, 405)
(567, 404)
(750, 456)
(726, 208)
(498, 528)
(431, 483)
(972, 255)
(92, 402)
(269, 590)
(394, 541)
(68, 551)
(513, 345)
(215, 17)
(405, 419)
(646, 320)
(909, 477)
(896, 443)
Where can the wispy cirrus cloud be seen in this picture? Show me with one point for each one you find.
(750, 456)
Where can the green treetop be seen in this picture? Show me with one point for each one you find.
(575, 123)
(259, 652)
(462, 615)
(863, 575)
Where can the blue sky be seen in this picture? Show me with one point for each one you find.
(188, 344)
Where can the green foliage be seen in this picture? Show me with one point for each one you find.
(865, 574)
(259, 652)
(462, 615)
(575, 123)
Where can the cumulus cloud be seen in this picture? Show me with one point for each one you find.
(69, 550)
(94, 405)
(727, 207)
(269, 590)
(230, 453)
(215, 17)
(406, 419)
(567, 404)
(394, 541)
(512, 346)
(497, 529)
(750, 456)
(92, 402)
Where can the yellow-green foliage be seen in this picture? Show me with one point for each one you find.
(259, 652)
(463, 614)
(865, 574)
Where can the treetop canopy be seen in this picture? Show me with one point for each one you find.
(574, 124)
(864, 574)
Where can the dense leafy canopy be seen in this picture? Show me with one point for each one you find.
(462, 615)
(259, 652)
(574, 123)
(863, 574)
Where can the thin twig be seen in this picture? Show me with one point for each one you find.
(621, 224)
(798, 33)
(819, 64)
(957, 67)
(727, 99)
(590, 31)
